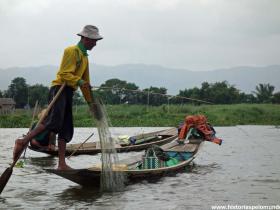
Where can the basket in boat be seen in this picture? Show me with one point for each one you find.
(150, 160)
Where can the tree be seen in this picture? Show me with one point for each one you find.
(264, 93)
(155, 96)
(276, 98)
(131, 94)
(192, 93)
(38, 92)
(204, 91)
(1, 94)
(18, 90)
(247, 98)
(116, 91)
(223, 93)
(218, 92)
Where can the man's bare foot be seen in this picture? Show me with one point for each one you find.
(64, 167)
(18, 148)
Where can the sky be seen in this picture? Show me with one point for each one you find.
(190, 34)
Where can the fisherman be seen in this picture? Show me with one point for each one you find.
(74, 72)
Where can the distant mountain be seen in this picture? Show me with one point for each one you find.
(144, 76)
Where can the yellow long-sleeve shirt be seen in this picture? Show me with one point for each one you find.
(73, 67)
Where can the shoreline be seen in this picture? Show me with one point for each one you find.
(162, 116)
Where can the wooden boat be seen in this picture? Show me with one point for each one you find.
(130, 167)
(142, 142)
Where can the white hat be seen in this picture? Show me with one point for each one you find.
(90, 32)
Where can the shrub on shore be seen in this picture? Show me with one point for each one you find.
(126, 115)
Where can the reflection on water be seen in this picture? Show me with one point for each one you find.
(244, 170)
(204, 169)
(42, 162)
(78, 194)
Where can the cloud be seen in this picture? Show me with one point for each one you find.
(193, 34)
(23, 7)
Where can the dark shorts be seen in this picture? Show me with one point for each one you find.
(43, 138)
(60, 119)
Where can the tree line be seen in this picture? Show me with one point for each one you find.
(116, 91)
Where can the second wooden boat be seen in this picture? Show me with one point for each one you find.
(142, 141)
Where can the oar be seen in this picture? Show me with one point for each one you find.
(80, 146)
(8, 172)
(30, 127)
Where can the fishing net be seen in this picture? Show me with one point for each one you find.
(112, 179)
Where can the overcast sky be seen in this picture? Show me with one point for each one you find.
(189, 34)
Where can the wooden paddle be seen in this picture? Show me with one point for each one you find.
(8, 172)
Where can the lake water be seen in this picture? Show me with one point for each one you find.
(245, 170)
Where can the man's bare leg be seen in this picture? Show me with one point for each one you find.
(35, 143)
(61, 155)
(21, 143)
(52, 140)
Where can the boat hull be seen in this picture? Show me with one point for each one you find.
(91, 176)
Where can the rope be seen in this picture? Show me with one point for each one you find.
(30, 127)
(149, 92)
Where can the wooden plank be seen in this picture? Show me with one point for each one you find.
(183, 148)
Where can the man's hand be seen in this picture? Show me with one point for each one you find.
(94, 105)
(95, 109)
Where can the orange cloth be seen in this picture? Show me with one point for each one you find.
(200, 123)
